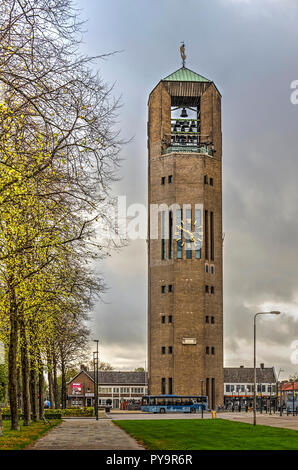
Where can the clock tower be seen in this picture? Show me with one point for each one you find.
(185, 282)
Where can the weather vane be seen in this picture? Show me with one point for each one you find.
(182, 53)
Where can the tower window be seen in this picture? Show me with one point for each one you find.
(170, 234)
(163, 319)
(206, 235)
(163, 289)
(206, 268)
(163, 386)
(170, 349)
(205, 179)
(212, 289)
(198, 233)
(212, 269)
(213, 350)
(170, 319)
(170, 385)
(163, 235)
(170, 288)
(163, 350)
(163, 180)
(212, 320)
(211, 236)
(207, 319)
(188, 228)
(211, 181)
(170, 178)
(207, 349)
(206, 289)
(179, 233)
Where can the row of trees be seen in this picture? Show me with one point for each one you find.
(58, 157)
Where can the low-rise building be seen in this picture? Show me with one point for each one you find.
(119, 389)
(239, 386)
(124, 389)
(288, 391)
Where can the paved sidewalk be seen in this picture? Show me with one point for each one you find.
(80, 434)
(275, 420)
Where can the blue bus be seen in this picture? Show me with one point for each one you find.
(172, 403)
(290, 401)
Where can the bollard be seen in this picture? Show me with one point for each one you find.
(213, 413)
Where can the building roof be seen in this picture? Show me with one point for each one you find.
(185, 75)
(246, 375)
(289, 386)
(112, 377)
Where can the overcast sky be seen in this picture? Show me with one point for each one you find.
(249, 49)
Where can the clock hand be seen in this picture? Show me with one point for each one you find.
(187, 231)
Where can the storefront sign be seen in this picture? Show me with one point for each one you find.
(76, 387)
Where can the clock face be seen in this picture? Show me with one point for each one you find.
(192, 237)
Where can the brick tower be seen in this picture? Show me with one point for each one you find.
(185, 294)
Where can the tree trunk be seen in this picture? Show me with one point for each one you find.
(55, 383)
(5, 396)
(33, 389)
(50, 381)
(20, 401)
(1, 425)
(40, 388)
(12, 368)
(63, 384)
(25, 375)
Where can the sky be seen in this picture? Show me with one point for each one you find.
(249, 49)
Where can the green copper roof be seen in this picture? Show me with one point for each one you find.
(185, 75)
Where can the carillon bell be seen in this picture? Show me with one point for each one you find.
(184, 113)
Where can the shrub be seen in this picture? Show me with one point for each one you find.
(87, 411)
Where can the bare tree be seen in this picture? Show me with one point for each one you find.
(59, 153)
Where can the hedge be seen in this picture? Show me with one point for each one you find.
(87, 411)
(52, 414)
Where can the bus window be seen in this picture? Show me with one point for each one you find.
(169, 401)
(160, 401)
(177, 401)
(145, 401)
(152, 401)
(187, 401)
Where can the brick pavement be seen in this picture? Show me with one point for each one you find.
(86, 434)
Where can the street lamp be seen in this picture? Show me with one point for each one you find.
(255, 370)
(280, 399)
(96, 378)
(202, 393)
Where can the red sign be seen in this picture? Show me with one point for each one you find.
(76, 387)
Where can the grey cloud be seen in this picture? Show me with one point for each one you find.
(249, 50)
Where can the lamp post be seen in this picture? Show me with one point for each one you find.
(280, 408)
(293, 397)
(202, 393)
(255, 370)
(270, 399)
(95, 355)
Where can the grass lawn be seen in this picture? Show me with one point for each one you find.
(216, 434)
(16, 440)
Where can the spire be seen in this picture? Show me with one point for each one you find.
(182, 53)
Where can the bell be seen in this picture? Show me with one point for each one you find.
(184, 113)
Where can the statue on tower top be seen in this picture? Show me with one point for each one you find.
(182, 53)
